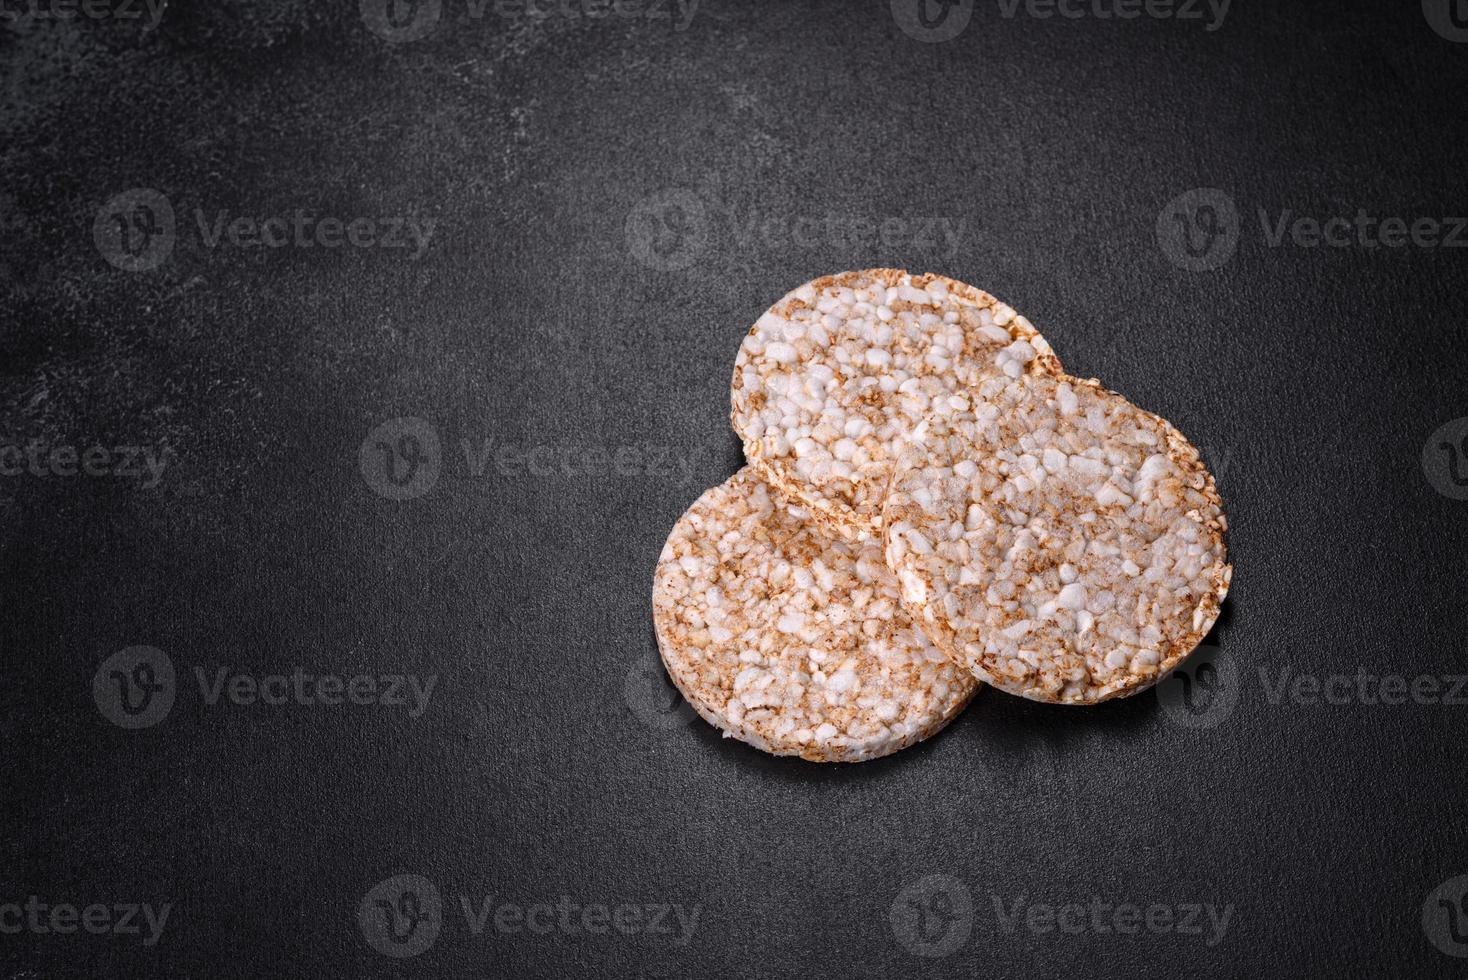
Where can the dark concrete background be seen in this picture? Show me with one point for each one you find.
(609, 197)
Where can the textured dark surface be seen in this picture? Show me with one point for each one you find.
(544, 312)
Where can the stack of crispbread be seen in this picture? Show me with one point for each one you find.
(930, 503)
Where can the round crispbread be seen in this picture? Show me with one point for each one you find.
(1063, 543)
(830, 382)
(792, 639)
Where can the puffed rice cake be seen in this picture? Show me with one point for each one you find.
(791, 638)
(1063, 543)
(832, 379)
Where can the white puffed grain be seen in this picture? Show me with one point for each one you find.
(866, 356)
(792, 638)
(1072, 583)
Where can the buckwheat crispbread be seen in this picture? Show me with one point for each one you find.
(829, 383)
(1063, 543)
(791, 638)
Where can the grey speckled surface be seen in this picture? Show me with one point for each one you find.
(609, 197)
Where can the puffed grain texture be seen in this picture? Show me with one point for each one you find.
(794, 639)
